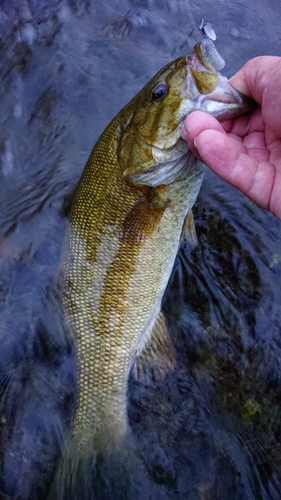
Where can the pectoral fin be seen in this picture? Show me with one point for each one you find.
(143, 218)
(188, 229)
(158, 356)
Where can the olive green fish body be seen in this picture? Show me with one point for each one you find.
(131, 209)
(120, 253)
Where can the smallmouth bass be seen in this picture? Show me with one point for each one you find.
(131, 209)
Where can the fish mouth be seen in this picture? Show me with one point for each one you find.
(225, 101)
(212, 91)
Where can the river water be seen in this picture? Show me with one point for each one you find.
(212, 430)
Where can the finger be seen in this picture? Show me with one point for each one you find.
(260, 79)
(229, 158)
(198, 121)
(252, 79)
(195, 123)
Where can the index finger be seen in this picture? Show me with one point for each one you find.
(253, 78)
(260, 79)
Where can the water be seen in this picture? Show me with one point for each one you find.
(212, 430)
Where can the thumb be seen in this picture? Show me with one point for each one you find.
(229, 159)
(219, 152)
(208, 141)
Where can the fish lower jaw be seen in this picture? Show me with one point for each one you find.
(225, 101)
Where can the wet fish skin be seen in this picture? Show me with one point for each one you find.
(130, 211)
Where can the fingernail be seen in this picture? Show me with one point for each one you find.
(195, 142)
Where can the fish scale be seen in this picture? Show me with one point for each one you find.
(131, 209)
(114, 288)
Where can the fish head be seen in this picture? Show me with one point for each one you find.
(151, 150)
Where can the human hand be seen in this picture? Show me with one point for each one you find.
(246, 151)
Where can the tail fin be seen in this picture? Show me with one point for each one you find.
(91, 475)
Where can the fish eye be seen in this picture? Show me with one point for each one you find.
(159, 91)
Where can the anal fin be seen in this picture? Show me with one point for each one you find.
(188, 229)
(158, 356)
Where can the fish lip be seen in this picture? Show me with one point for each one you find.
(214, 103)
(224, 94)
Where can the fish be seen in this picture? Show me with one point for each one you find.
(131, 210)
